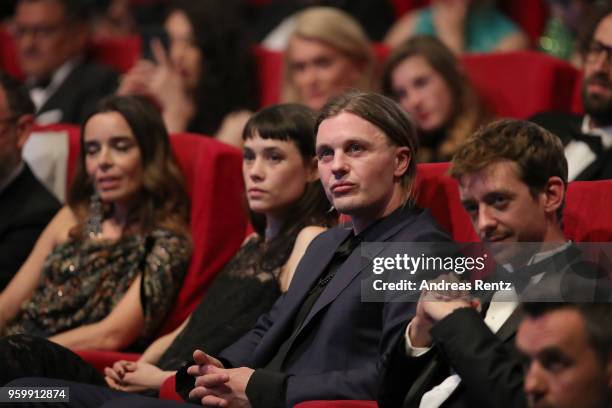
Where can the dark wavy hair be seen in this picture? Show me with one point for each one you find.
(228, 80)
(164, 202)
(294, 123)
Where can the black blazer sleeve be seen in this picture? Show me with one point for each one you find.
(490, 370)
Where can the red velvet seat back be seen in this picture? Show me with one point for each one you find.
(440, 194)
(218, 218)
(521, 84)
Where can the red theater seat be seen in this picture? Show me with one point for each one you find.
(521, 84)
(270, 75)
(218, 223)
(121, 53)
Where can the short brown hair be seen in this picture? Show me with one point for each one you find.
(538, 153)
(385, 114)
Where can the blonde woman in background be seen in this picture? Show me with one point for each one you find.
(327, 53)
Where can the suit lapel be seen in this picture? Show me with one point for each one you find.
(349, 270)
(306, 276)
(64, 92)
(510, 326)
(598, 169)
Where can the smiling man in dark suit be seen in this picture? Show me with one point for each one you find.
(512, 181)
(26, 206)
(588, 138)
(51, 37)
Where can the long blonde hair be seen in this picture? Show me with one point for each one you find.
(336, 29)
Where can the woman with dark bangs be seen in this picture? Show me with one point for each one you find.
(108, 266)
(288, 209)
(206, 81)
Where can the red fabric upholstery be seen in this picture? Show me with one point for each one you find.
(8, 55)
(100, 360)
(439, 193)
(168, 390)
(530, 15)
(586, 218)
(270, 75)
(218, 217)
(120, 53)
(521, 84)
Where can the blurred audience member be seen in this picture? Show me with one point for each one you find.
(113, 18)
(425, 78)
(276, 19)
(328, 53)
(588, 138)
(279, 146)
(51, 37)
(26, 206)
(462, 25)
(563, 26)
(107, 268)
(205, 81)
(568, 353)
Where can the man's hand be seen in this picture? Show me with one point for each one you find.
(434, 306)
(219, 387)
(202, 360)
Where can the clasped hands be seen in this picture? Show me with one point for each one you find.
(218, 386)
(434, 306)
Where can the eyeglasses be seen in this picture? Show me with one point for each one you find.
(595, 51)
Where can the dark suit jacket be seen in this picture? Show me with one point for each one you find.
(488, 364)
(26, 207)
(566, 126)
(77, 96)
(342, 337)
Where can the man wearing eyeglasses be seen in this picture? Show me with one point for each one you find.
(588, 138)
(25, 204)
(51, 36)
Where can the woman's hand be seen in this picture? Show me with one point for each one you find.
(134, 376)
(161, 81)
